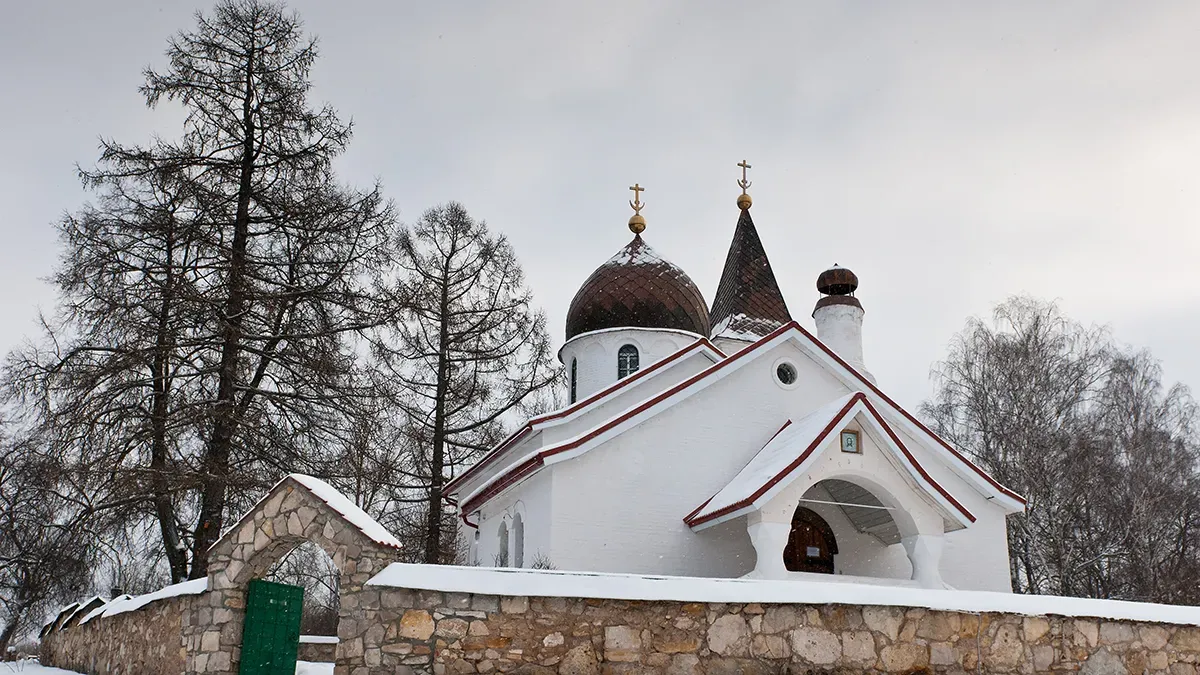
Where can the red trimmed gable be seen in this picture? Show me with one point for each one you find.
(535, 462)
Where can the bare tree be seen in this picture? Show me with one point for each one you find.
(1082, 428)
(472, 351)
(44, 547)
(211, 298)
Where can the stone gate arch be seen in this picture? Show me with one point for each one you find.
(298, 509)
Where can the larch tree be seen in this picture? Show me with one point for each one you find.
(472, 351)
(232, 271)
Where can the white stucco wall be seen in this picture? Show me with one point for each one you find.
(596, 353)
(530, 498)
(620, 506)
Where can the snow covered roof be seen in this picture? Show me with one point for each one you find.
(888, 412)
(556, 583)
(100, 610)
(347, 509)
(573, 411)
(798, 446)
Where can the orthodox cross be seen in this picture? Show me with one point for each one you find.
(637, 198)
(743, 183)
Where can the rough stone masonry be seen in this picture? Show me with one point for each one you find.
(453, 634)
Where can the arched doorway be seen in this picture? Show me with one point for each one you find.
(811, 544)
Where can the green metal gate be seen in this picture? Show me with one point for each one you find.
(271, 634)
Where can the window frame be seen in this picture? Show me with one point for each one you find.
(624, 368)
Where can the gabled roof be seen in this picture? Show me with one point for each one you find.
(797, 446)
(748, 304)
(573, 411)
(350, 512)
(532, 462)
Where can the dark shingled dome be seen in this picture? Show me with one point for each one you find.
(637, 288)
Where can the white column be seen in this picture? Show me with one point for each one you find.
(925, 554)
(769, 540)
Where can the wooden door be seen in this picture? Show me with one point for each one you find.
(811, 545)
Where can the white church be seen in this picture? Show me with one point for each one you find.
(729, 441)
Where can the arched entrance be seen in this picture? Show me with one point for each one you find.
(298, 509)
(811, 544)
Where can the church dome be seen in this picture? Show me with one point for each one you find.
(637, 288)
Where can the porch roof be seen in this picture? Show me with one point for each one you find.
(796, 445)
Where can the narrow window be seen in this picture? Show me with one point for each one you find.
(627, 361)
(518, 541)
(502, 556)
(574, 369)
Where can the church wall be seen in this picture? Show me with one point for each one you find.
(532, 500)
(637, 488)
(596, 353)
(976, 557)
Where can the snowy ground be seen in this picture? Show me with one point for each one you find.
(35, 668)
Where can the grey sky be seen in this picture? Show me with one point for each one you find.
(950, 153)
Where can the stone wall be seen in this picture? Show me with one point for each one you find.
(147, 641)
(453, 634)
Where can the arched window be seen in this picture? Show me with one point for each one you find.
(518, 541)
(627, 361)
(574, 373)
(502, 556)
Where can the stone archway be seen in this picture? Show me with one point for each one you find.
(297, 510)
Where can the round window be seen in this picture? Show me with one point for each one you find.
(786, 373)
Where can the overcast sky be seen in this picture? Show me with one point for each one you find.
(951, 154)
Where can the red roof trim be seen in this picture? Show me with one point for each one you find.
(837, 419)
(578, 405)
(833, 422)
(507, 480)
(913, 460)
(910, 417)
(570, 445)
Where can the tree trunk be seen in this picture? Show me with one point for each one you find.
(7, 634)
(433, 525)
(160, 409)
(220, 446)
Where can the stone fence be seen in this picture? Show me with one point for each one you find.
(411, 631)
(457, 633)
(441, 620)
(143, 641)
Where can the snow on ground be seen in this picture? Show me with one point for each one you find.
(30, 668)
(35, 668)
(808, 589)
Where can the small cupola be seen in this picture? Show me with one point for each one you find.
(839, 316)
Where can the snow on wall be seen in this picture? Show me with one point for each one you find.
(558, 583)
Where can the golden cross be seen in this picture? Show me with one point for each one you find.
(743, 183)
(637, 198)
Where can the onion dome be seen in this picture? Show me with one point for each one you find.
(837, 284)
(748, 304)
(638, 288)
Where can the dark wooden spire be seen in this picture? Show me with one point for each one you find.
(748, 304)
